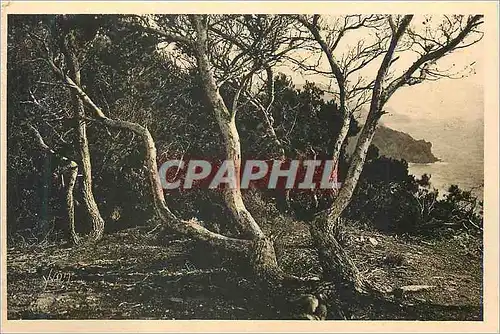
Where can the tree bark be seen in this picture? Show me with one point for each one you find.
(227, 125)
(336, 263)
(263, 260)
(70, 203)
(259, 251)
(96, 220)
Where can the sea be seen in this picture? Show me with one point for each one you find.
(468, 175)
(459, 145)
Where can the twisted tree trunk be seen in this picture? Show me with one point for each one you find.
(227, 125)
(263, 257)
(96, 220)
(258, 250)
(336, 263)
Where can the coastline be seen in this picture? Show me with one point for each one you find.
(468, 176)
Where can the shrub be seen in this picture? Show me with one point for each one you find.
(389, 199)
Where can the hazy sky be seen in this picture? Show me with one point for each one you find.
(446, 98)
(449, 112)
(459, 99)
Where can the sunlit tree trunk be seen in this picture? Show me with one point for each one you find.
(227, 126)
(263, 257)
(336, 263)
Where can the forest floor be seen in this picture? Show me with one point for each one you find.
(127, 275)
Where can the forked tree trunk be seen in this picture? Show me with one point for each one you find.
(73, 168)
(263, 257)
(92, 210)
(227, 125)
(336, 263)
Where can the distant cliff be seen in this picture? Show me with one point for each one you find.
(400, 145)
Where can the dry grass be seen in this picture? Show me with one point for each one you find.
(128, 276)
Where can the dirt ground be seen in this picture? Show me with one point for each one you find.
(127, 275)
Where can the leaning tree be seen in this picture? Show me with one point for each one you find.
(386, 40)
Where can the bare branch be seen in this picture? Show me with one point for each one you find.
(431, 56)
(164, 34)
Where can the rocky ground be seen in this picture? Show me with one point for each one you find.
(128, 275)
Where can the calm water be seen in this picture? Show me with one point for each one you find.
(467, 175)
(459, 145)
